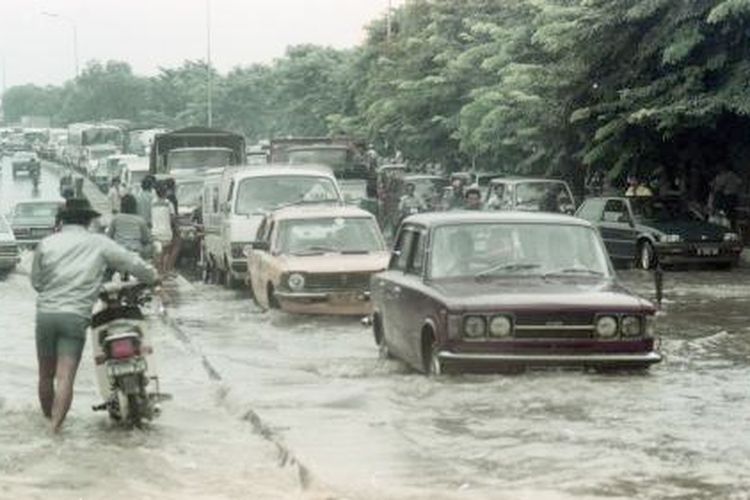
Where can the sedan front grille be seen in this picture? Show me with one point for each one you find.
(554, 325)
(337, 281)
(8, 250)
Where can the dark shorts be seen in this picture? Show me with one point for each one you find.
(60, 334)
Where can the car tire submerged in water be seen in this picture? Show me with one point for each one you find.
(379, 336)
(646, 255)
(431, 364)
(273, 302)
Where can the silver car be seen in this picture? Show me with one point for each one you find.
(8, 247)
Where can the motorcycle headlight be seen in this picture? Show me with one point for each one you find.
(731, 237)
(475, 327)
(296, 282)
(500, 326)
(606, 327)
(631, 326)
(670, 238)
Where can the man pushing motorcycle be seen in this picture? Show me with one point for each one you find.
(67, 272)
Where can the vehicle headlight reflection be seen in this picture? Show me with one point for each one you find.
(296, 282)
(631, 326)
(501, 326)
(606, 326)
(475, 327)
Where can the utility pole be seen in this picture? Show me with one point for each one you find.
(75, 36)
(209, 76)
(388, 21)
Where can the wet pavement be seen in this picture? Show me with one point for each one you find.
(272, 405)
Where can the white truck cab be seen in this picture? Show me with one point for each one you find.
(235, 201)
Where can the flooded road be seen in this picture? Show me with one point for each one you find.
(272, 405)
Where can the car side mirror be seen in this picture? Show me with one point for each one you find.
(262, 246)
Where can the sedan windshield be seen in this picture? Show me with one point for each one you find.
(536, 195)
(41, 210)
(334, 234)
(264, 193)
(495, 249)
(661, 210)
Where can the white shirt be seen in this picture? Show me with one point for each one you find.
(162, 211)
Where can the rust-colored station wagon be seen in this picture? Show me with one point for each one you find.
(317, 260)
(492, 291)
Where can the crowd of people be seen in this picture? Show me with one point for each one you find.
(146, 223)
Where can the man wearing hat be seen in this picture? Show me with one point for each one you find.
(67, 272)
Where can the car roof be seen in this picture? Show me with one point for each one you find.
(501, 180)
(480, 217)
(419, 177)
(271, 170)
(316, 211)
(41, 202)
(207, 148)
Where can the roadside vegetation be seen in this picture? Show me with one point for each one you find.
(556, 87)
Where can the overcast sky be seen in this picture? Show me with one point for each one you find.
(151, 33)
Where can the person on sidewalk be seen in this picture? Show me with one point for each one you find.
(67, 272)
(115, 196)
(163, 218)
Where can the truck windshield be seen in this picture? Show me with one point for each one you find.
(189, 193)
(199, 158)
(264, 193)
(332, 157)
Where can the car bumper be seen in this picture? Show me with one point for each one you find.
(349, 303)
(589, 359)
(238, 269)
(698, 254)
(8, 262)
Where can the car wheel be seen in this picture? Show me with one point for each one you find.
(379, 335)
(273, 302)
(227, 279)
(431, 363)
(646, 255)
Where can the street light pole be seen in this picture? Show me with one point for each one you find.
(75, 35)
(209, 76)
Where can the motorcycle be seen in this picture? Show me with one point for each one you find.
(123, 354)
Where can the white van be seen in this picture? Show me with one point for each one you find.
(235, 202)
(133, 172)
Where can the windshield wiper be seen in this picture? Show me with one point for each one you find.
(355, 252)
(574, 270)
(513, 266)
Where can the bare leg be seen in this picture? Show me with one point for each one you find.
(65, 375)
(47, 366)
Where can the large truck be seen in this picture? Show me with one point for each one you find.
(354, 169)
(89, 142)
(195, 148)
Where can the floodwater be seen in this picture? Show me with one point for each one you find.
(272, 405)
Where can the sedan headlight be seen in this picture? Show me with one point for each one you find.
(631, 326)
(731, 237)
(671, 238)
(475, 327)
(296, 282)
(606, 326)
(500, 326)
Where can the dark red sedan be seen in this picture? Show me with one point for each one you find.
(493, 291)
